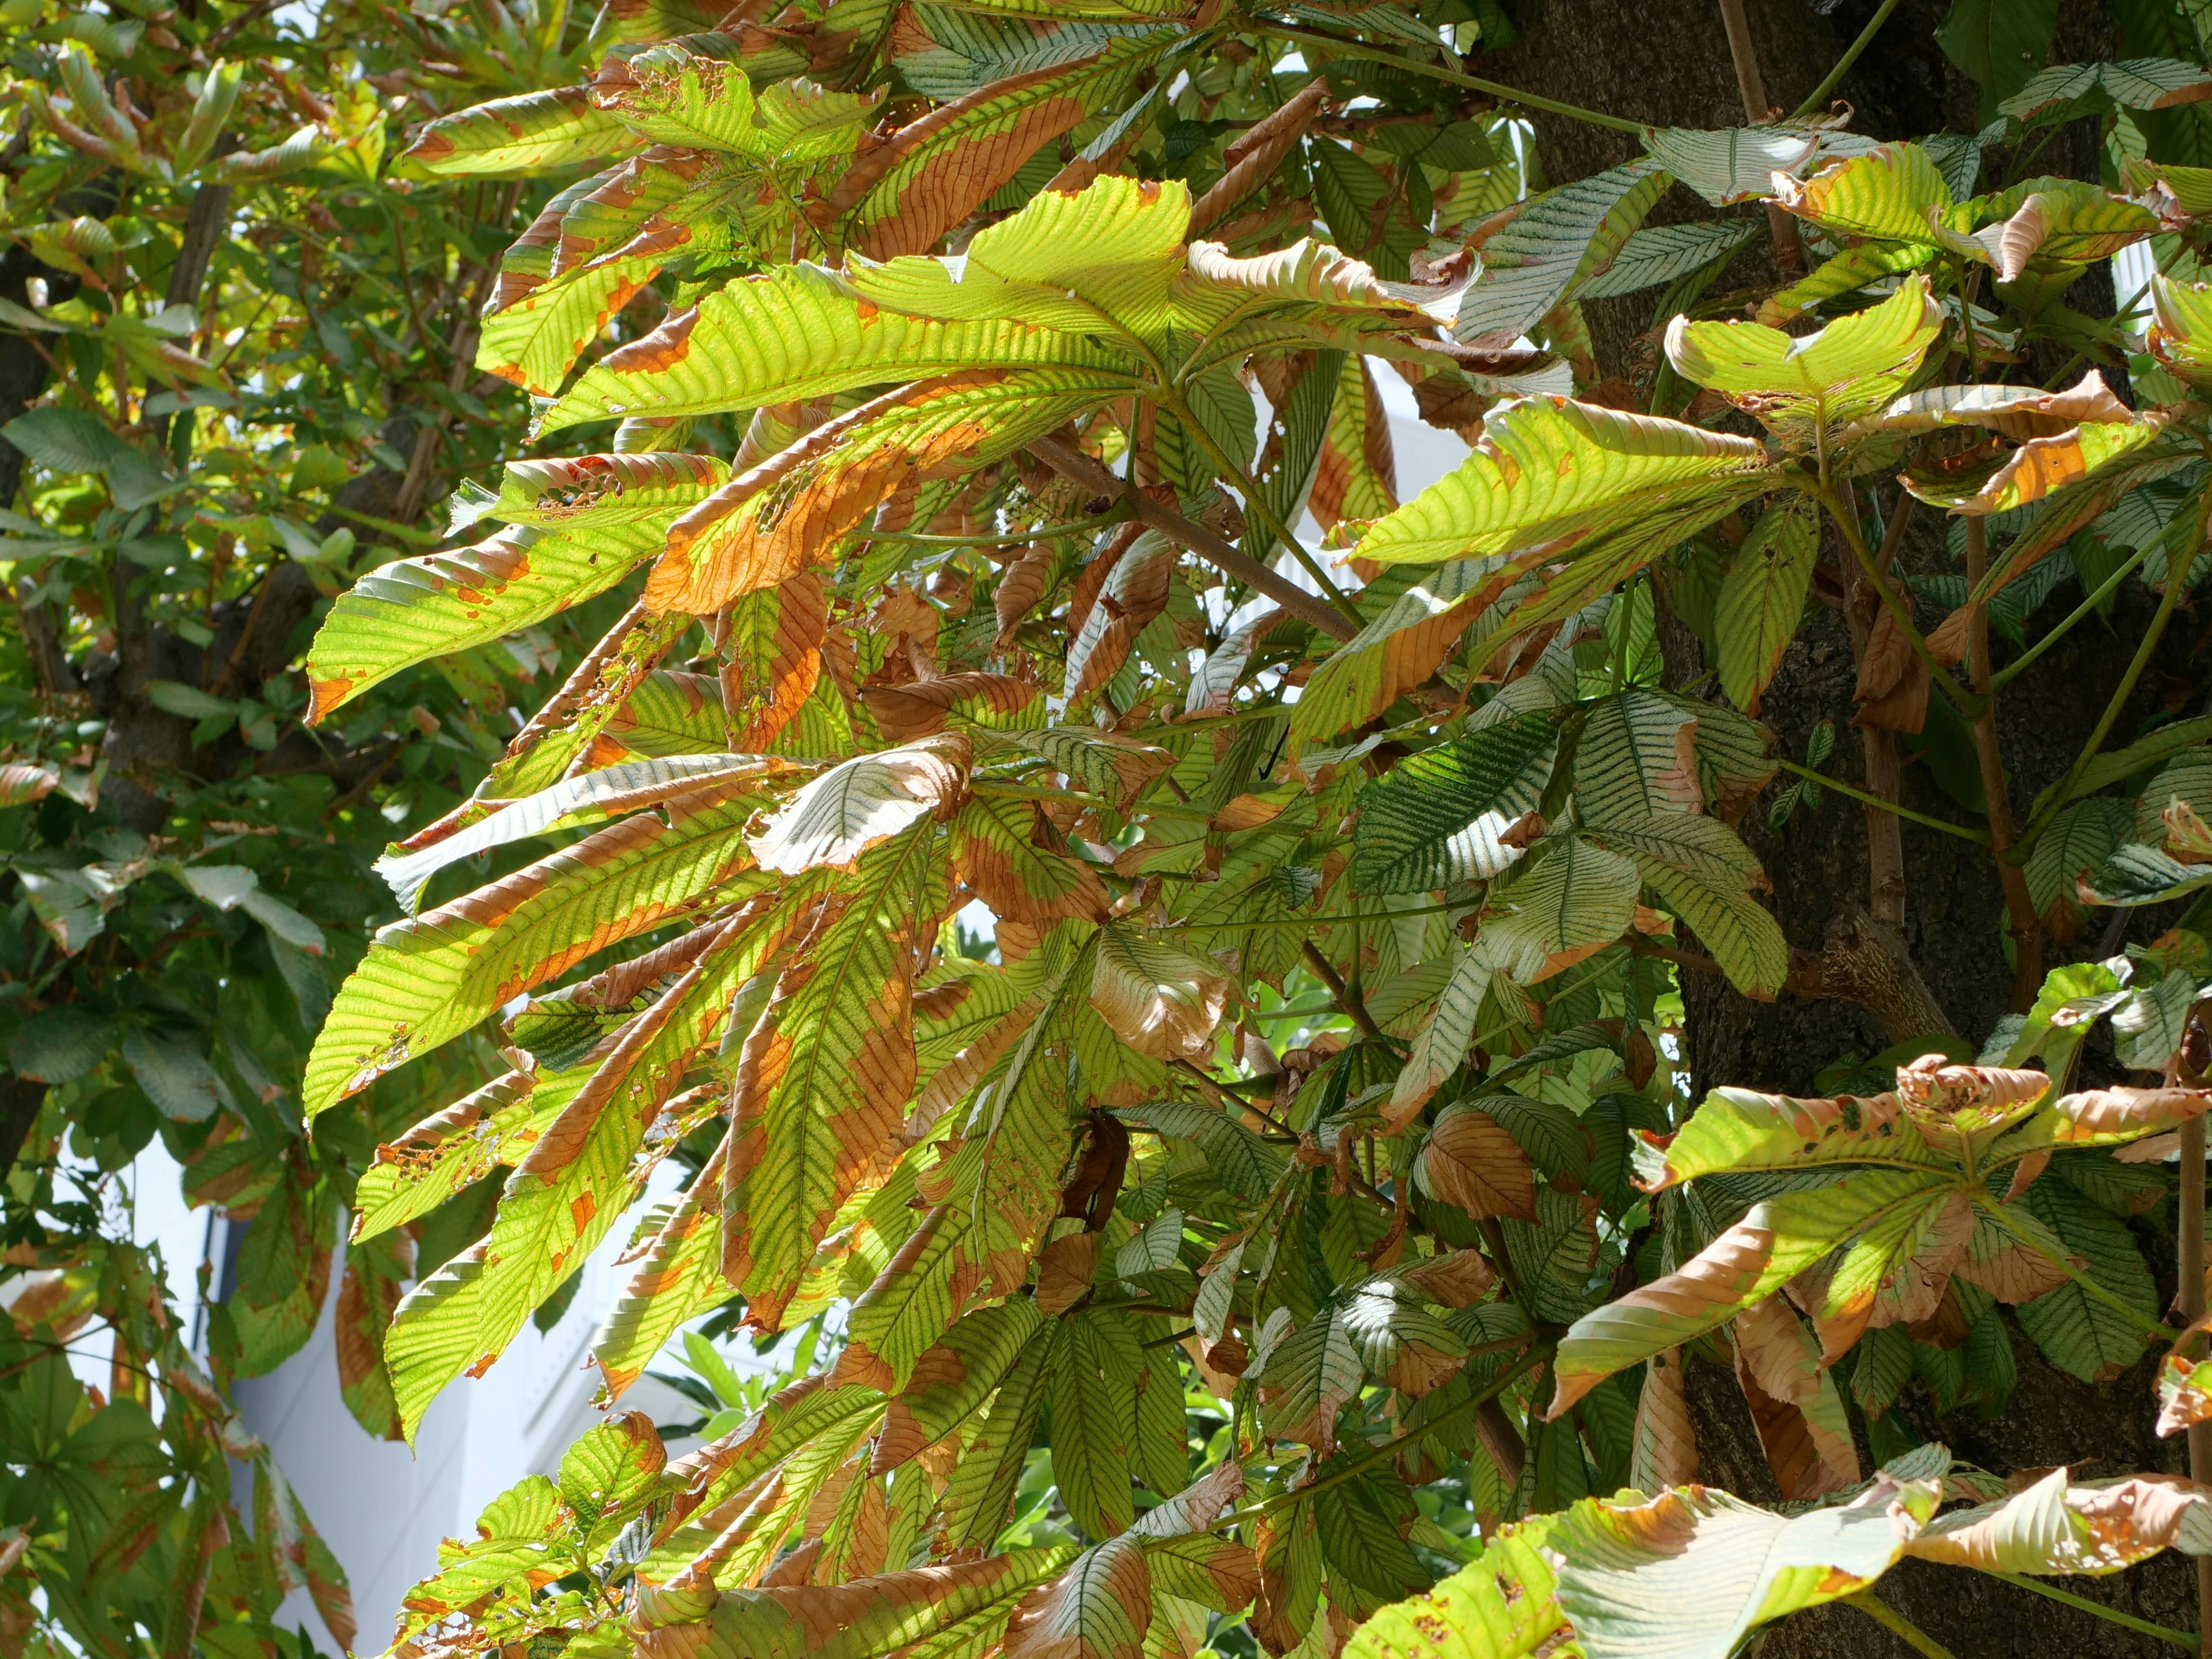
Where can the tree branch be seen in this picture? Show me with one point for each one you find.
(2020, 905)
(1071, 463)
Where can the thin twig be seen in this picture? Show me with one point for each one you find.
(1788, 246)
(2174, 581)
(1065, 458)
(1897, 1624)
(1979, 837)
(2020, 905)
(1347, 998)
(1436, 72)
(1258, 505)
(1379, 1454)
(1962, 699)
(1828, 84)
(2013, 670)
(2067, 1598)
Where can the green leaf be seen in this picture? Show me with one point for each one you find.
(1572, 898)
(800, 331)
(1805, 389)
(1435, 818)
(1093, 1426)
(413, 610)
(1551, 470)
(427, 980)
(521, 134)
(1762, 598)
(1505, 1606)
(1536, 259)
(60, 1043)
(1891, 194)
(1730, 164)
(2080, 1333)
(175, 1075)
(1704, 874)
(1666, 254)
(2000, 45)
(825, 1078)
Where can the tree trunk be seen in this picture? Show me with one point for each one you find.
(1669, 62)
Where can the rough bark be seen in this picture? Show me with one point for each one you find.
(1669, 63)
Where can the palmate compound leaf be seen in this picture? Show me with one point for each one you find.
(1780, 1239)
(1806, 390)
(428, 979)
(1436, 817)
(579, 1176)
(801, 332)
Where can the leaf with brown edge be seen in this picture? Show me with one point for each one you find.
(2055, 1526)
(1794, 1407)
(953, 1379)
(793, 509)
(864, 801)
(2008, 1269)
(1099, 1609)
(376, 1273)
(772, 656)
(453, 1147)
(1357, 476)
(862, 1620)
(521, 134)
(1017, 878)
(411, 609)
(939, 169)
(428, 979)
(677, 1276)
(1780, 1239)
(1066, 1269)
(921, 708)
(1471, 1161)
(672, 714)
(1664, 1445)
(1162, 999)
(584, 1169)
(2112, 1116)
(824, 1079)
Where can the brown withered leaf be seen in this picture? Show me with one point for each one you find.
(1665, 1442)
(1470, 1160)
